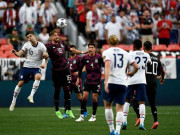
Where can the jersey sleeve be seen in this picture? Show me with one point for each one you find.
(131, 58)
(44, 49)
(24, 48)
(106, 57)
(67, 47)
(148, 58)
(160, 67)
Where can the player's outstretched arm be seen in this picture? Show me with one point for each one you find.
(135, 69)
(46, 57)
(18, 54)
(107, 69)
(73, 50)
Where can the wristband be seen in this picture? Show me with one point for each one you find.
(82, 52)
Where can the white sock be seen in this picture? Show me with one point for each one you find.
(110, 119)
(119, 120)
(125, 111)
(35, 87)
(16, 93)
(142, 112)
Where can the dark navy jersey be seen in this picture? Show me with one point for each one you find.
(152, 69)
(57, 55)
(74, 65)
(93, 68)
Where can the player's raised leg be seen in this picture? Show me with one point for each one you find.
(16, 93)
(35, 87)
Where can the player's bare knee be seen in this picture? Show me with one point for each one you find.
(20, 83)
(38, 77)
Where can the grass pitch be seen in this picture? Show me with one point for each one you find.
(43, 121)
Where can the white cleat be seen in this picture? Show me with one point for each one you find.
(80, 119)
(30, 98)
(11, 108)
(93, 118)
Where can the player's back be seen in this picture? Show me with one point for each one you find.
(119, 60)
(141, 58)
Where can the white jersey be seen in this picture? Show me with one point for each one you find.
(141, 59)
(34, 54)
(119, 60)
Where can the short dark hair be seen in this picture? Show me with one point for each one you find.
(29, 32)
(137, 44)
(72, 46)
(52, 32)
(91, 44)
(147, 45)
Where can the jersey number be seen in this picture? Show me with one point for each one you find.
(70, 66)
(118, 60)
(92, 65)
(30, 52)
(154, 66)
(138, 59)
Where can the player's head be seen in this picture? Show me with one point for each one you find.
(74, 47)
(137, 44)
(147, 46)
(30, 36)
(54, 37)
(113, 40)
(91, 48)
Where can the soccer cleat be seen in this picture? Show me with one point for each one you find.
(85, 114)
(65, 115)
(112, 133)
(116, 133)
(59, 115)
(124, 125)
(155, 125)
(141, 127)
(30, 98)
(70, 113)
(137, 122)
(93, 118)
(81, 118)
(11, 108)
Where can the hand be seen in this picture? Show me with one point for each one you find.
(43, 66)
(106, 87)
(13, 51)
(85, 52)
(75, 74)
(77, 82)
(44, 56)
(161, 81)
(130, 74)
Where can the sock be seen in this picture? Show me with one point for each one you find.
(95, 104)
(110, 119)
(119, 120)
(83, 106)
(154, 113)
(142, 113)
(35, 87)
(67, 98)
(125, 111)
(136, 108)
(56, 99)
(16, 93)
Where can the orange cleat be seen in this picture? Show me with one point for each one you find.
(155, 125)
(137, 122)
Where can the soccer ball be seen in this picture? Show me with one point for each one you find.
(61, 22)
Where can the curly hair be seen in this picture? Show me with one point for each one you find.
(113, 40)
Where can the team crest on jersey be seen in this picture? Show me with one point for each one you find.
(62, 45)
(60, 50)
(96, 60)
(87, 61)
(74, 61)
(21, 76)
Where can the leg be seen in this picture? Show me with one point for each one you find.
(94, 108)
(35, 87)
(142, 112)
(16, 93)
(56, 102)
(125, 111)
(136, 109)
(119, 117)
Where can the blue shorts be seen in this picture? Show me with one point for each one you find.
(28, 73)
(140, 92)
(116, 92)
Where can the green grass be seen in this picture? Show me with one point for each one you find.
(43, 121)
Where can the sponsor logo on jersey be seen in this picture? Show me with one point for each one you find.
(74, 61)
(62, 45)
(87, 61)
(96, 60)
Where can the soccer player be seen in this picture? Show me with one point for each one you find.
(74, 64)
(151, 85)
(137, 83)
(60, 72)
(116, 61)
(93, 63)
(35, 51)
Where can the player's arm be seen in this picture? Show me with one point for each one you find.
(80, 72)
(46, 57)
(135, 69)
(75, 51)
(18, 54)
(107, 69)
(163, 72)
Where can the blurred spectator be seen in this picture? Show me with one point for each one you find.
(47, 16)
(125, 6)
(100, 32)
(113, 28)
(148, 4)
(51, 6)
(71, 4)
(3, 6)
(155, 8)
(62, 37)
(164, 27)
(92, 19)
(113, 6)
(10, 17)
(12, 72)
(29, 29)
(44, 36)
(132, 27)
(27, 15)
(146, 27)
(109, 14)
(36, 4)
(155, 18)
(14, 39)
(174, 31)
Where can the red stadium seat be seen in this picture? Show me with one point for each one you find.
(160, 47)
(173, 47)
(3, 41)
(178, 57)
(3, 55)
(105, 47)
(153, 47)
(124, 47)
(6, 47)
